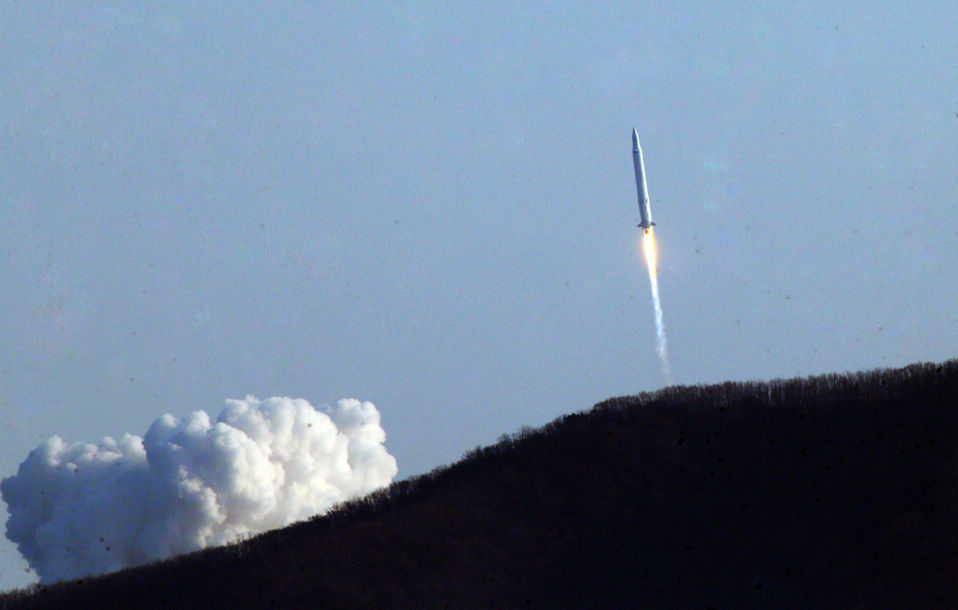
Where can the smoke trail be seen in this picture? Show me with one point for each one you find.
(78, 509)
(648, 247)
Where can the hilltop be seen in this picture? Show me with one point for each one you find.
(829, 491)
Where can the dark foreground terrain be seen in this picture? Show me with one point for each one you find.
(833, 491)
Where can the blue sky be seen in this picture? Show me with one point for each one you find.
(432, 207)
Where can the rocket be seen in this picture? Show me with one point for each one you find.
(645, 212)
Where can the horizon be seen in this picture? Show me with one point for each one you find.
(804, 496)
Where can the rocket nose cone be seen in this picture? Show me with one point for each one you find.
(635, 139)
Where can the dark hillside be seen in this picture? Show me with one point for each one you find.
(832, 491)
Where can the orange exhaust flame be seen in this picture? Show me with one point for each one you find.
(648, 249)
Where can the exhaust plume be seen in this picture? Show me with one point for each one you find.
(80, 509)
(648, 248)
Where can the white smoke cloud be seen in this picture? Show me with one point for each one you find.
(80, 509)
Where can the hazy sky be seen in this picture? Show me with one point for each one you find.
(432, 207)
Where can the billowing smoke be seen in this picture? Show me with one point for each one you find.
(79, 509)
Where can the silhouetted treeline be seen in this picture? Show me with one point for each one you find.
(829, 491)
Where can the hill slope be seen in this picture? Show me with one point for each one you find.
(833, 491)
